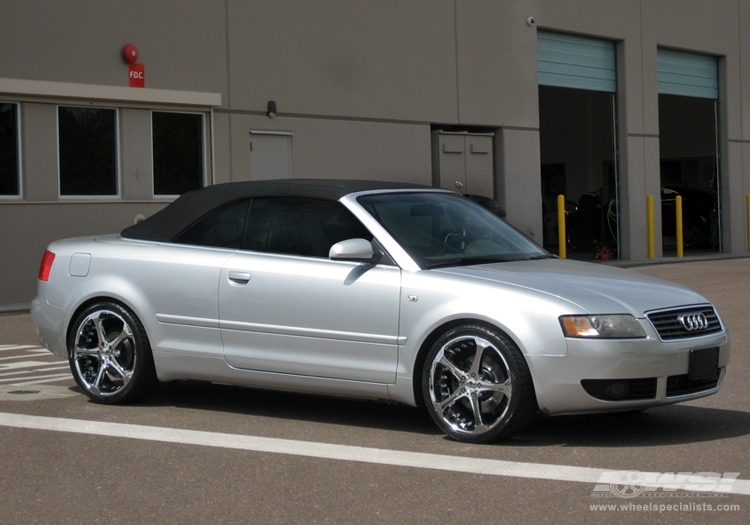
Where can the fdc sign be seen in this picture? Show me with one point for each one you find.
(137, 75)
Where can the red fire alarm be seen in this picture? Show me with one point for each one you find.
(130, 54)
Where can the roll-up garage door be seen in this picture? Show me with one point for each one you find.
(688, 74)
(577, 62)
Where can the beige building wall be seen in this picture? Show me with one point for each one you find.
(359, 88)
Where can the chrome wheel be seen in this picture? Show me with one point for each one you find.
(476, 385)
(691, 235)
(108, 350)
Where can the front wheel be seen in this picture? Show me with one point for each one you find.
(110, 355)
(692, 237)
(476, 385)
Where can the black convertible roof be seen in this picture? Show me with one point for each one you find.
(166, 224)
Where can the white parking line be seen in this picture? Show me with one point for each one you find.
(29, 364)
(19, 376)
(47, 379)
(8, 348)
(489, 467)
(34, 373)
(34, 352)
(21, 370)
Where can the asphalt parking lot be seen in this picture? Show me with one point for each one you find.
(203, 453)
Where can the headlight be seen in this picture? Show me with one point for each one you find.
(601, 326)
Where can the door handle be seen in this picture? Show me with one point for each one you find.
(238, 277)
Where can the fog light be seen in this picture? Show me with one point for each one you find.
(617, 390)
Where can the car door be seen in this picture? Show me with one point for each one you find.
(181, 280)
(285, 307)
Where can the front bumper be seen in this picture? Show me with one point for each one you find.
(661, 367)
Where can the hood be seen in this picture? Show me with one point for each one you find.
(595, 288)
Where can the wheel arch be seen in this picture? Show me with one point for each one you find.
(435, 334)
(91, 301)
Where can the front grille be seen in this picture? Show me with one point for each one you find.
(669, 326)
(620, 389)
(683, 386)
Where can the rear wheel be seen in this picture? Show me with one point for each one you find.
(476, 385)
(110, 355)
(692, 237)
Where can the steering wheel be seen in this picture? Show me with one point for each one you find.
(453, 243)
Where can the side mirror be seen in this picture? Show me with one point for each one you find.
(357, 250)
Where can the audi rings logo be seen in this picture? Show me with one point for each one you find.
(694, 321)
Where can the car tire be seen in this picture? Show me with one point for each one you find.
(110, 355)
(478, 404)
(692, 237)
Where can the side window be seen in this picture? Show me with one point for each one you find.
(300, 226)
(9, 185)
(88, 151)
(221, 228)
(177, 140)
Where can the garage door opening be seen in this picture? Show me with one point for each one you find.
(689, 150)
(577, 123)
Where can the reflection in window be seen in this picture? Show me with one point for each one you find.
(178, 152)
(447, 230)
(300, 226)
(222, 228)
(88, 151)
(9, 149)
(285, 225)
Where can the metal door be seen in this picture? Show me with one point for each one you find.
(270, 155)
(465, 163)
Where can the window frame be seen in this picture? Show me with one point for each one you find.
(19, 158)
(204, 151)
(117, 154)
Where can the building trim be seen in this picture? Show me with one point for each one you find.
(46, 91)
(94, 199)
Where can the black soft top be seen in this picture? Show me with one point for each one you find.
(166, 224)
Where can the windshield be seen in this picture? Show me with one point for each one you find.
(444, 229)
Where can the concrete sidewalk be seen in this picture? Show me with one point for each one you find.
(713, 277)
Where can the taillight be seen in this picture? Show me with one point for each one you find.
(46, 265)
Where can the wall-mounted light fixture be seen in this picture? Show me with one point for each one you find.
(271, 111)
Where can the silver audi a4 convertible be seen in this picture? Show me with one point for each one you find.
(375, 290)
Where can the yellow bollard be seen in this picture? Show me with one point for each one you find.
(678, 222)
(650, 226)
(561, 236)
